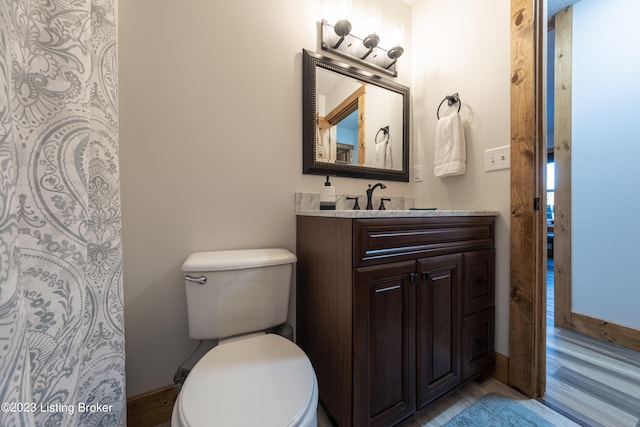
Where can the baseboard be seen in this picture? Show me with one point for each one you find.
(501, 372)
(606, 331)
(152, 408)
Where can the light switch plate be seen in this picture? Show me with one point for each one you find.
(418, 173)
(497, 158)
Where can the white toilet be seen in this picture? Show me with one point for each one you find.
(251, 378)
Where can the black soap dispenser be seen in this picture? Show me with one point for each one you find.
(328, 197)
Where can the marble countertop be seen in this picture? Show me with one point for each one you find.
(395, 213)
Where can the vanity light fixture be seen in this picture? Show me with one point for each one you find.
(338, 39)
(342, 29)
(373, 23)
(343, 26)
(397, 35)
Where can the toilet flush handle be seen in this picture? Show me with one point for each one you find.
(199, 280)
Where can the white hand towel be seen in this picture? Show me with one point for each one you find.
(382, 156)
(450, 147)
(388, 161)
(379, 153)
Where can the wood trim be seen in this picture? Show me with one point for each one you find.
(562, 159)
(501, 372)
(322, 122)
(606, 331)
(346, 107)
(353, 102)
(528, 226)
(152, 408)
(362, 135)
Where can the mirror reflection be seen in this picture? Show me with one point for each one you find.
(356, 123)
(350, 133)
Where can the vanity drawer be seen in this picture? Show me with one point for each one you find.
(477, 342)
(478, 281)
(383, 240)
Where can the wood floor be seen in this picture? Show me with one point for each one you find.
(591, 381)
(444, 409)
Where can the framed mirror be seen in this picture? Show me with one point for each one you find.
(355, 123)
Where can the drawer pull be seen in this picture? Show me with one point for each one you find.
(390, 288)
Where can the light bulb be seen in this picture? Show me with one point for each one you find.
(373, 21)
(397, 34)
(343, 9)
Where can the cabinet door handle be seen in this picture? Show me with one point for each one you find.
(425, 275)
(413, 276)
(390, 288)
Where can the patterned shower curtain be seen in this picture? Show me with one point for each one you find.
(61, 306)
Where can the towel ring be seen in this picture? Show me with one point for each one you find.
(451, 99)
(385, 130)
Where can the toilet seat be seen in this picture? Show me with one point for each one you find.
(264, 380)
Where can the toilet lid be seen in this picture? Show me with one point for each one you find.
(265, 380)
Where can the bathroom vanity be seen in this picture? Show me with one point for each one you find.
(395, 308)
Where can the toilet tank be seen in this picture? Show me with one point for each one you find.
(237, 291)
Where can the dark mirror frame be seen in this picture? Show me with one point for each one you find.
(310, 62)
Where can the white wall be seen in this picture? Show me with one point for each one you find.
(377, 118)
(605, 155)
(464, 46)
(210, 149)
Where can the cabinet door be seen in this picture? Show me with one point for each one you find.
(437, 326)
(478, 282)
(384, 331)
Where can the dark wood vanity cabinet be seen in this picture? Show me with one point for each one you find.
(437, 326)
(383, 341)
(394, 312)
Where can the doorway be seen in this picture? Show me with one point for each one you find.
(527, 355)
(588, 378)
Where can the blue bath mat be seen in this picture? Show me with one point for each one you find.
(496, 410)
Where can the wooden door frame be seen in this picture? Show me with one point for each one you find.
(563, 24)
(527, 320)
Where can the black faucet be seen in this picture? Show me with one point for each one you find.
(370, 194)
